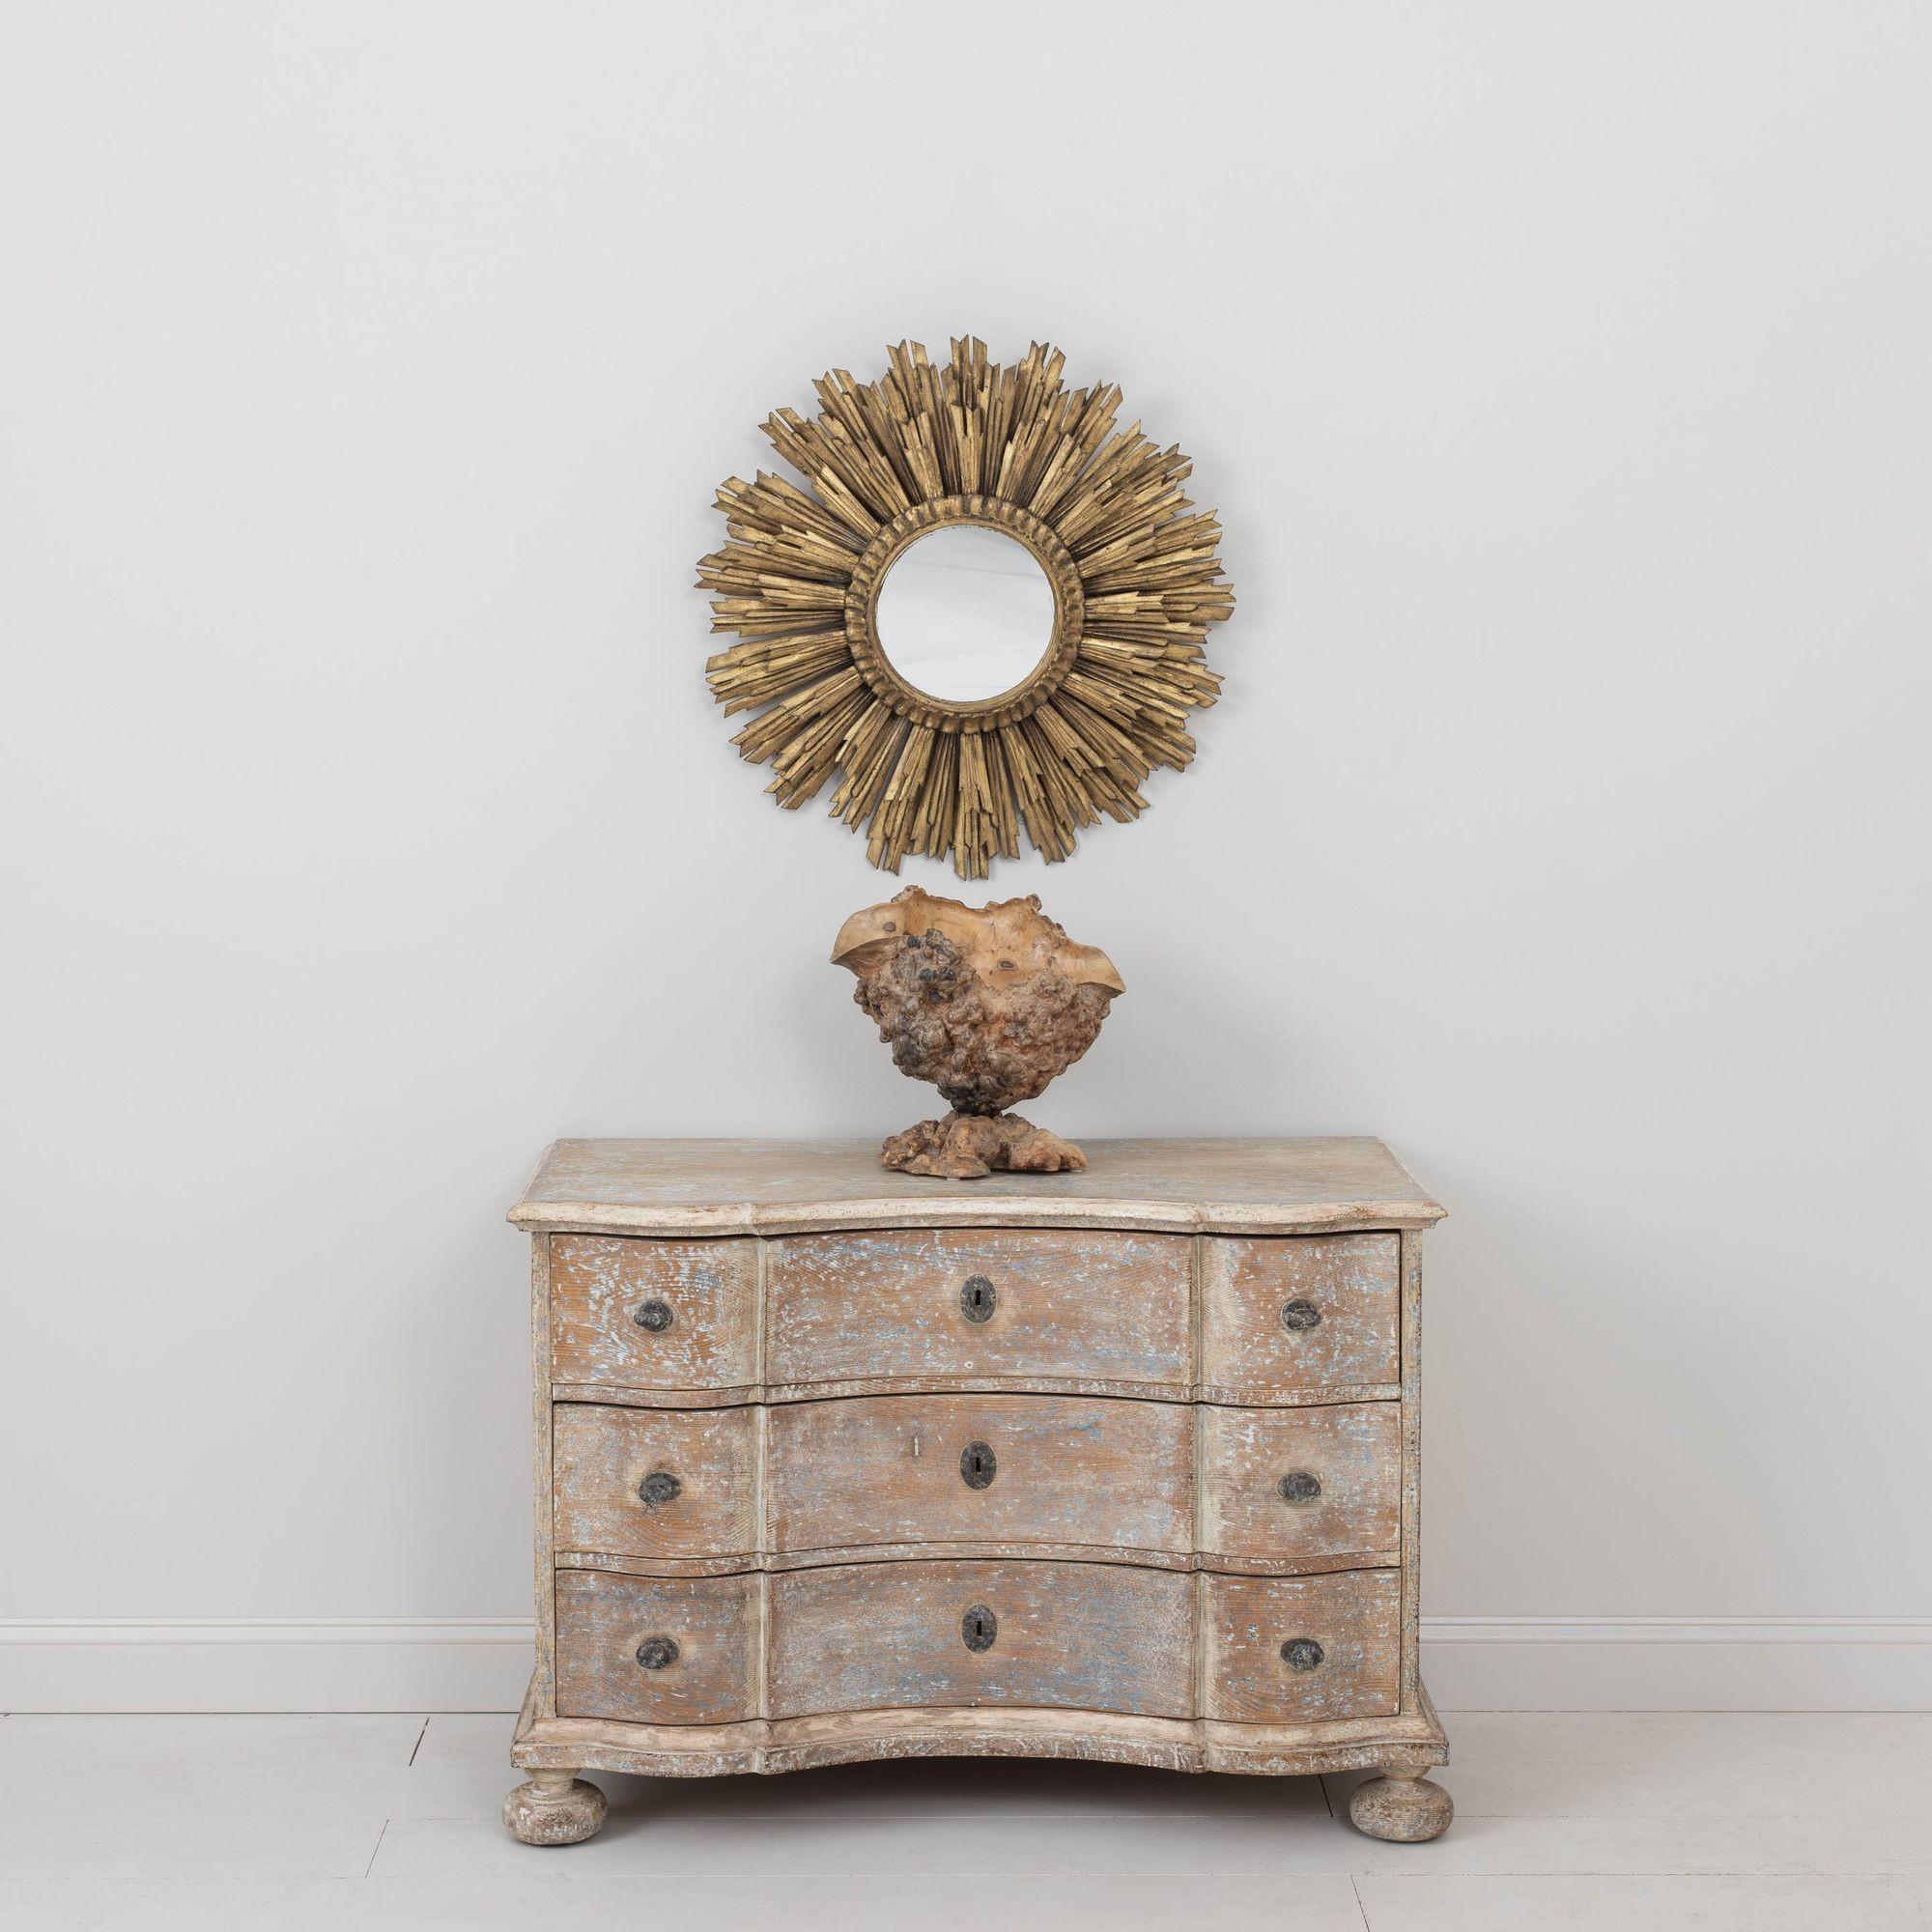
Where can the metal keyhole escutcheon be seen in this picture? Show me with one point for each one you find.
(1297, 1315)
(1301, 1652)
(978, 1627)
(659, 1487)
(978, 1465)
(654, 1317)
(1298, 1486)
(656, 1653)
(977, 1299)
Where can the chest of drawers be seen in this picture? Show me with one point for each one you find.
(834, 1463)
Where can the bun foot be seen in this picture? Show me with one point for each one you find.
(964, 1147)
(1403, 1807)
(556, 1807)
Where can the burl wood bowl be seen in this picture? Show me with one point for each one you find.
(990, 1003)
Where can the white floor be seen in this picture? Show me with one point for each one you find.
(1773, 1824)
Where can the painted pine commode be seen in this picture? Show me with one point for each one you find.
(836, 1464)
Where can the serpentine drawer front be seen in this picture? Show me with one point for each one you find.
(1298, 1319)
(1314, 1318)
(656, 1651)
(982, 1304)
(1281, 1489)
(871, 1636)
(655, 1315)
(838, 1463)
(1076, 1637)
(1008, 1469)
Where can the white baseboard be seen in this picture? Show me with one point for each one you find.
(1486, 1664)
(1678, 1664)
(276, 1663)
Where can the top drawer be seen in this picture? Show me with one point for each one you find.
(1292, 1317)
(653, 1315)
(1106, 1311)
(1283, 1318)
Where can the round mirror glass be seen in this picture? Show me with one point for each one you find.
(964, 613)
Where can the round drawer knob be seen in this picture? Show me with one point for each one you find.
(654, 1315)
(978, 1465)
(1301, 1652)
(1297, 1315)
(660, 1487)
(977, 1299)
(978, 1627)
(1299, 1486)
(657, 1653)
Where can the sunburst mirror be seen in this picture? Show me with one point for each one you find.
(987, 607)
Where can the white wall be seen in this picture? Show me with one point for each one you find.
(1559, 373)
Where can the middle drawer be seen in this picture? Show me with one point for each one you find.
(874, 1470)
(1282, 1489)
(1063, 1470)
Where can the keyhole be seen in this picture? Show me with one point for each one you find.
(978, 1465)
(977, 1299)
(978, 1627)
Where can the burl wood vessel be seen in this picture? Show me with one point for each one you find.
(834, 1463)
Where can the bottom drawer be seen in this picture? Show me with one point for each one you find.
(1283, 1650)
(1082, 1636)
(871, 1636)
(655, 1650)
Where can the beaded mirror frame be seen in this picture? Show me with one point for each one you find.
(1136, 585)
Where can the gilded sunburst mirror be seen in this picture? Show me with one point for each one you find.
(986, 608)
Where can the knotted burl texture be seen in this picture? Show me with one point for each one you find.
(990, 1003)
